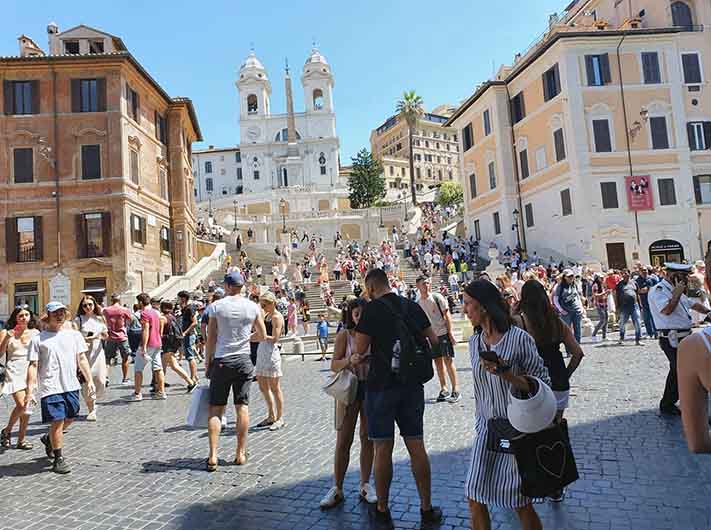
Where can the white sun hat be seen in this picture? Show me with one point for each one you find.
(534, 413)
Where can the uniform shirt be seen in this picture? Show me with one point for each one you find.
(659, 297)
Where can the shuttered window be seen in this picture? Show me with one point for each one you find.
(134, 166)
(138, 229)
(559, 142)
(23, 164)
(23, 239)
(518, 108)
(692, 68)
(609, 195)
(660, 138)
(601, 132)
(528, 210)
(699, 133)
(702, 189)
(472, 185)
(487, 122)
(650, 68)
(667, 193)
(163, 182)
(492, 175)
(467, 137)
(133, 101)
(523, 159)
(21, 97)
(93, 234)
(161, 124)
(477, 230)
(90, 162)
(597, 68)
(551, 83)
(497, 223)
(165, 239)
(566, 205)
(88, 95)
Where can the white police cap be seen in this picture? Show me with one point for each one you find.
(679, 267)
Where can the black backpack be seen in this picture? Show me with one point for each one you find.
(173, 333)
(415, 352)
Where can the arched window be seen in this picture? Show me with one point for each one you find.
(681, 14)
(252, 105)
(283, 136)
(318, 99)
(322, 163)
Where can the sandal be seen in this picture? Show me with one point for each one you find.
(210, 467)
(24, 445)
(265, 423)
(4, 439)
(238, 463)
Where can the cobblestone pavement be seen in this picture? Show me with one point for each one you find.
(140, 467)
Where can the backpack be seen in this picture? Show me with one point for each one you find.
(173, 334)
(415, 353)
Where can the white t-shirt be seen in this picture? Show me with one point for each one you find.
(429, 306)
(235, 316)
(96, 327)
(56, 356)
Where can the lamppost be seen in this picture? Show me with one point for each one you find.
(234, 229)
(382, 225)
(209, 204)
(282, 209)
(515, 226)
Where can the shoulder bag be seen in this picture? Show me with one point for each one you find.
(342, 386)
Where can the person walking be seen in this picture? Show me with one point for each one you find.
(391, 399)
(171, 336)
(436, 308)
(644, 284)
(493, 478)
(134, 331)
(627, 302)
(117, 319)
(322, 333)
(305, 315)
(228, 364)
(670, 309)
(291, 316)
(188, 316)
(149, 351)
(92, 326)
(268, 368)
(347, 415)
(14, 341)
(599, 293)
(55, 355)
(567, 300)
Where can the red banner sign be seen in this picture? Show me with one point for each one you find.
(639, 193)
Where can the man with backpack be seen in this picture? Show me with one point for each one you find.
(188, 316)
(395, 331)
(436, 308)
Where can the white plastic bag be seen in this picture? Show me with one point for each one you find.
(198, 412)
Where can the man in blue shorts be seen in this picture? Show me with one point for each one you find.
(54, 355)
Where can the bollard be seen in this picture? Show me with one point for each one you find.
(298, 348)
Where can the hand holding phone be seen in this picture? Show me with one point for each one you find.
(489, 356)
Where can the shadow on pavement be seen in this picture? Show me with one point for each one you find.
(24, 469)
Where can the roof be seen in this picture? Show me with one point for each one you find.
(216, 150)
(426, 116)
(122, 55)
(518, 69)
(117, 40)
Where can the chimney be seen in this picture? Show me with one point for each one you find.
(52, 31)
(553, 20)
(210, 147)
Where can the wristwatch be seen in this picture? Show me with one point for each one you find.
(502, 368)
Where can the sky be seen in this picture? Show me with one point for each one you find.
(377, 49)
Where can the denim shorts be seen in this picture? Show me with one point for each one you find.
(401, 404)
(59, 407)
(152, 356)
(189, 347)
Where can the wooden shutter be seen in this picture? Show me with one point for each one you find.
(544, 78)
(143, 229)
(35, 96)
(697, 190)
(106, 233)
(11, 240)
(81, 237)
(590, 72)
(131, 230)
(691, 137)
(39, 243)
(605, 67)
(76, 95)
(156, 124)
(101, 94)
(8, 96)
(137, 107)
(556, 76)
(707, 134)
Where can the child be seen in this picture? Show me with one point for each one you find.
(322, 332)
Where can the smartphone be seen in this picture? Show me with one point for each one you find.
(89, 334)
(490, 356)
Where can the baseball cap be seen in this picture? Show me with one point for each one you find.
(234, 278)
(54, 306)
(568, 272)
(219, 291)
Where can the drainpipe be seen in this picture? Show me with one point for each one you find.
(54, 166)
(519, 222)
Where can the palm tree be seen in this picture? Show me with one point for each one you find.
(410, 107)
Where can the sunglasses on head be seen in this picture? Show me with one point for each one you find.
(22, 306)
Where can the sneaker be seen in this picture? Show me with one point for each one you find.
(47, 445)
(639, 343)
(126, 382)
(191, 387)
(431, 516)
(167, 385)
(60, 466)
(160, 395)
(367, 493)
(334, 497)
(277, 425)
(91, 416)
(620, 342)
(443, 395)
(454, 397)
(383, 520)
(136, 397)
(557, 496)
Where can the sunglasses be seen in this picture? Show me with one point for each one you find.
(22, 306)
(90, 304)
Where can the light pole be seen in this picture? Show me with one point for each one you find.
(515, 226)
(234, 229)
(282, 209)
(209, 204)
(382, 225)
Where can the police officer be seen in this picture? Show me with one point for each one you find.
(670, 308)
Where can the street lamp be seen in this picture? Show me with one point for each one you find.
(234, 229)
(282, 209)
(515, 226)
(209, 204)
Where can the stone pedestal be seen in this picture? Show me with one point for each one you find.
(495, 269)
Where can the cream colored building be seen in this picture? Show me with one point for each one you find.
(435, 151)
(612, 89)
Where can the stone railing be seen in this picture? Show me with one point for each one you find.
(191, 279)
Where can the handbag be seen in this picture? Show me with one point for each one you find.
(500, 435)
(342, 386)
(3, 374)
(545, 461)
(198, 412)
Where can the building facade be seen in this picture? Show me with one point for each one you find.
(595, 145)
(95, 173)
(435, 151)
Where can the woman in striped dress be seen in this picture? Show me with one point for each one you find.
(493, 478)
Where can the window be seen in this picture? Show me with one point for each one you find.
(566, 204)
(541, 161)
(439, 159)
(650, 68)
(667, 193)
(658, 126)
(427, 143)
(528, 210)
(93, 235)
(138, 229)
(418, 173)
(23, 164)
(209, 185)
(450, 174)
(497, 223)
(27, 294)
(518, 108)
(418, 157)
(467, 137)
(392, 170)
(559, 142)
(681, 14)
(96, 46)
(163, 183)
(439, 174)
(429, 173)
(492, 175)
(523, 159)
(477, 230)
(699, 133)
(21, 97)
(23, 239)
(318, 99)
(597, 68)
(161, 128)
(551, 83)
(88, 95)
(252, 105)
(239, 190)
(90, 162)
(165, 239)
(133, 100)
(238, 157)
(255, 174)
(239, 173)
(609, 195)
(487, 123)
(472, 185)
(702, 189)
(208, 167)
(71, 47)
(134, 167)
(601, 132)
(692, 68)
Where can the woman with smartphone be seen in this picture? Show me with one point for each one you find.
(501, 355)
(13, 352)
(92, 325)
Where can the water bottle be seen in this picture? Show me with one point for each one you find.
(30, 408)
(395, 361)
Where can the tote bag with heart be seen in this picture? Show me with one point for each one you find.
(545, 461)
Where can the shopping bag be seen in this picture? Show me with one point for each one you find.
(198, 412)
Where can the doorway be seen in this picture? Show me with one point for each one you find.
(616, 256)
(665, 250)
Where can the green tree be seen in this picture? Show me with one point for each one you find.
(365, 183)
(410, 107)
(450, 194)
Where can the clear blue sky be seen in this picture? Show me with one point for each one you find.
(377, 49)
